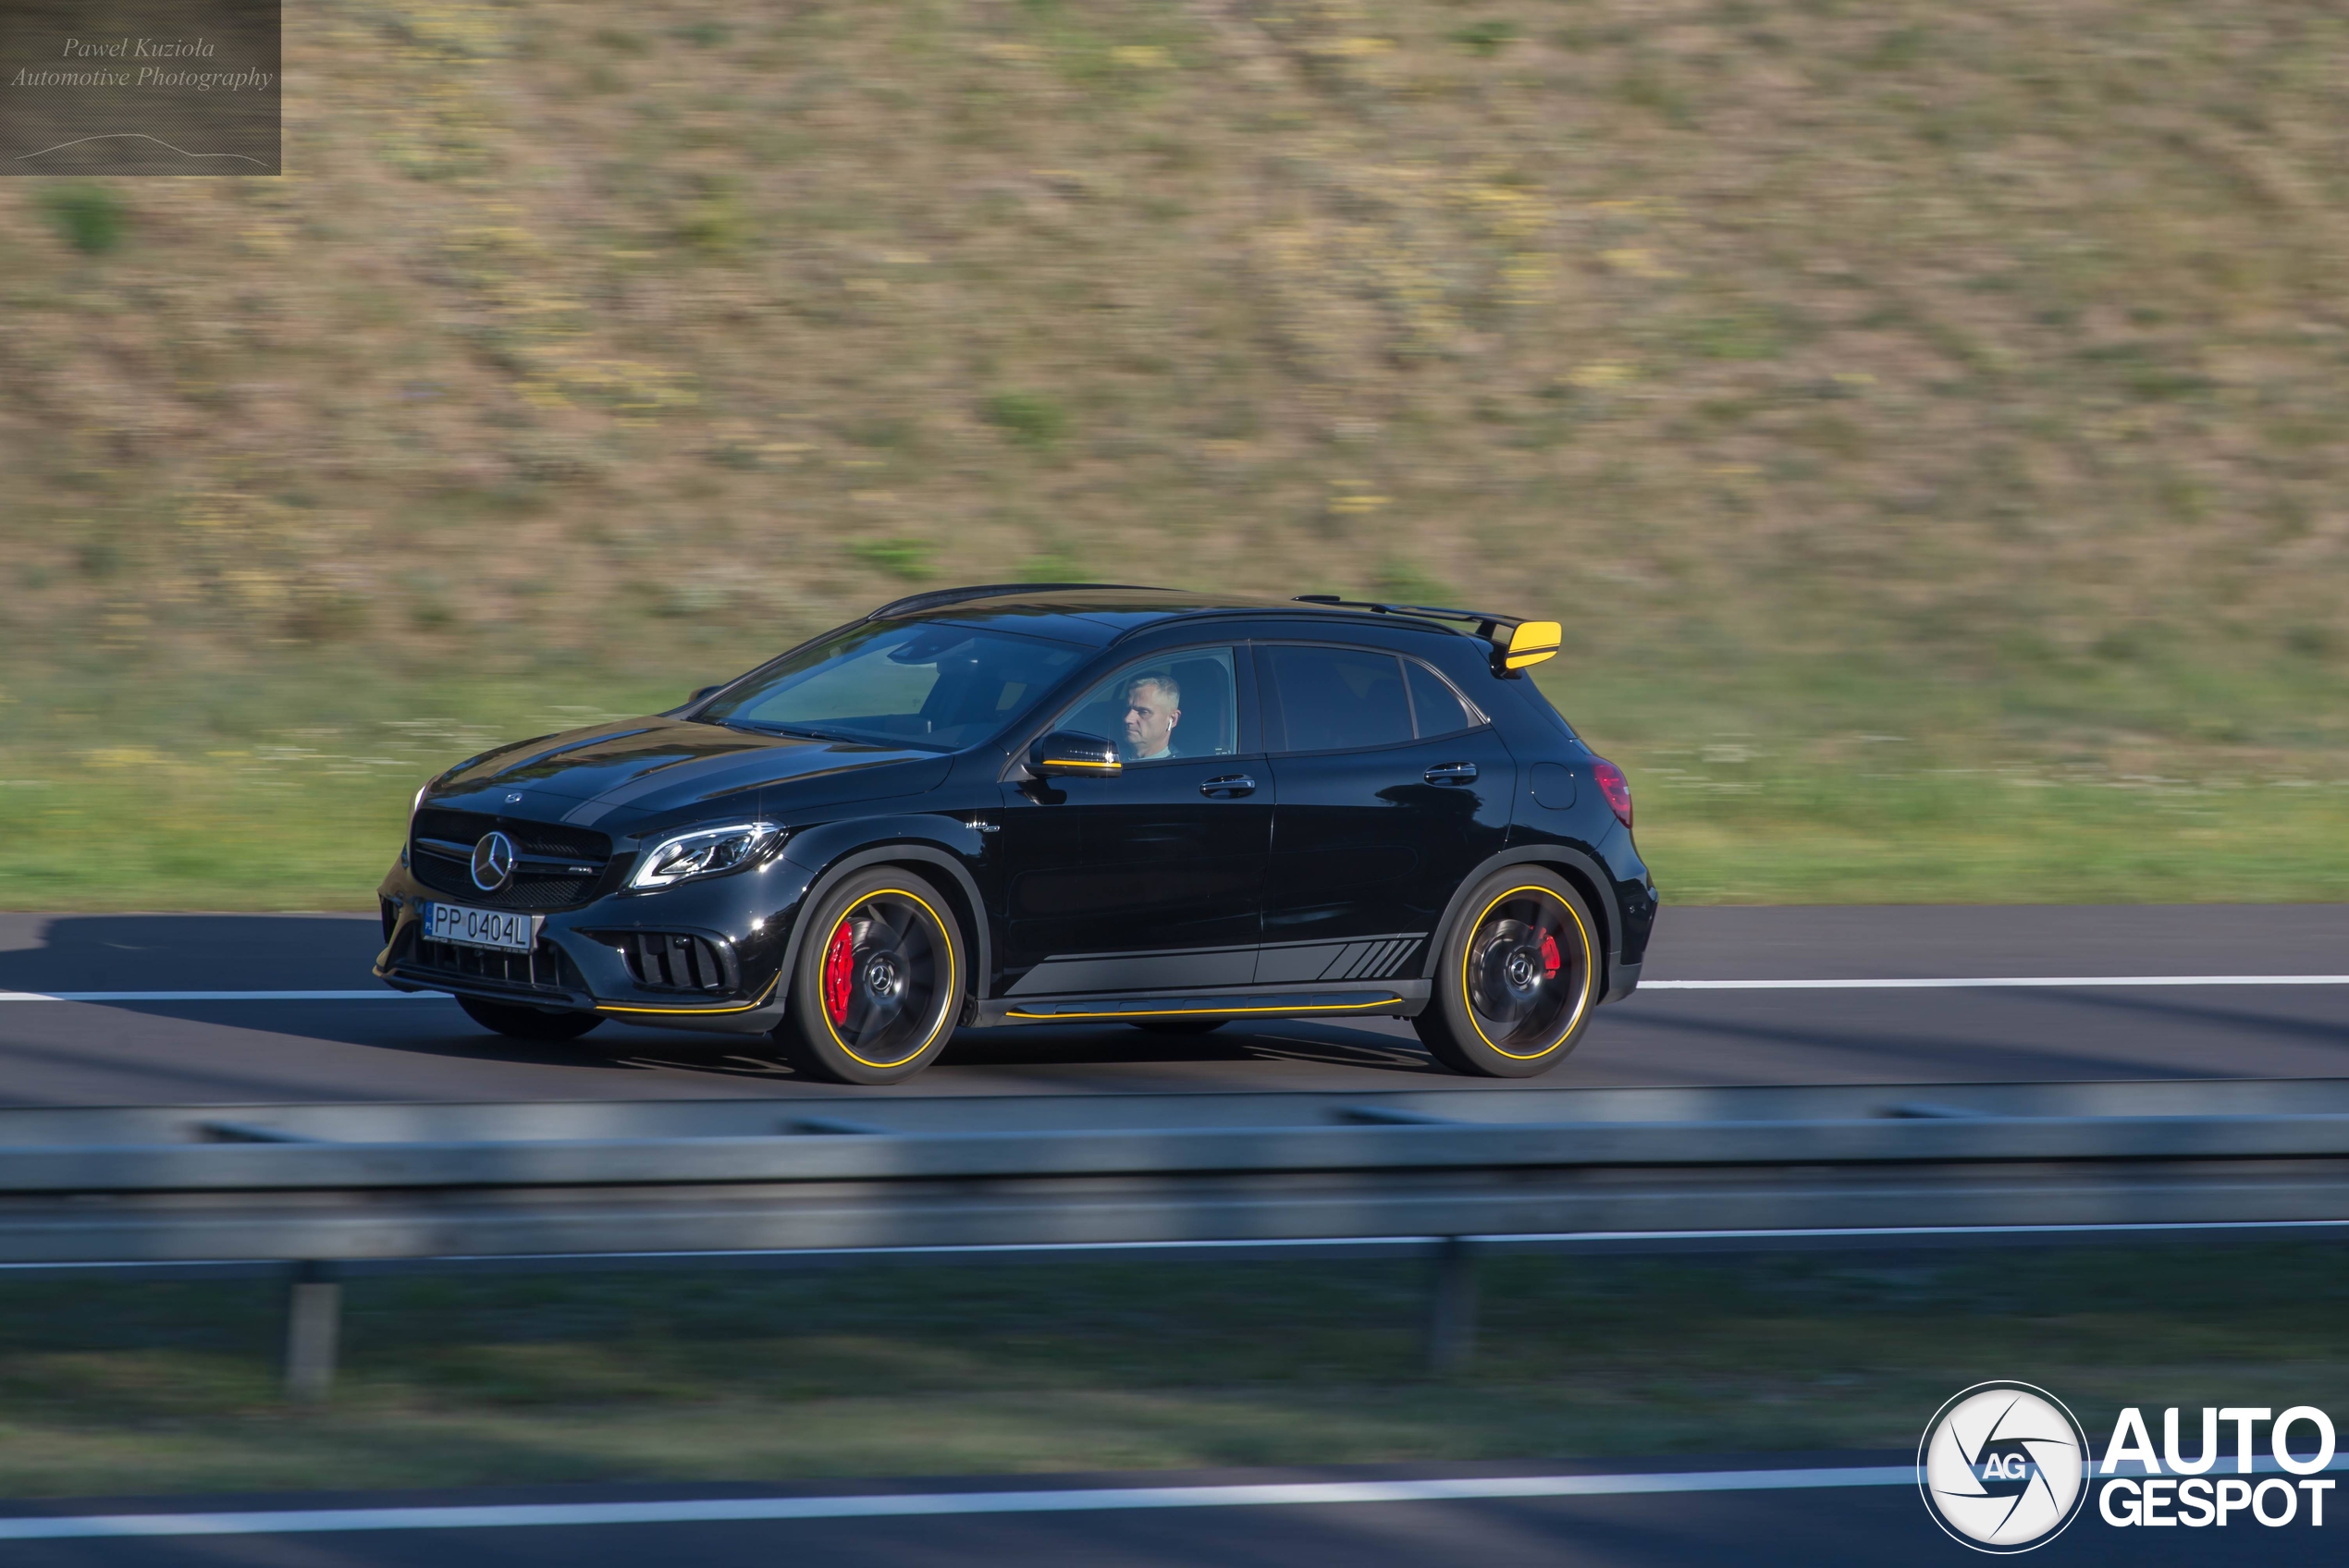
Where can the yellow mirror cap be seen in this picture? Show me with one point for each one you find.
(1533, 642)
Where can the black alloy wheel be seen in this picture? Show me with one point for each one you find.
(529, 1023)
(878, 983)
(1515, 980)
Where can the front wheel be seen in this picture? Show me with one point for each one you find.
(529, 1023)
(878, 984)
(1517, 978)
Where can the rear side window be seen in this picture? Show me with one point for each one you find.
(1339, 698)
(1434, 704)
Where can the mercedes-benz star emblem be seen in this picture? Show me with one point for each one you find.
(493, 862)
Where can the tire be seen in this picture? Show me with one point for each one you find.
(529, 1023)
(1181, 1025)
(1517, 979)
(879, 982)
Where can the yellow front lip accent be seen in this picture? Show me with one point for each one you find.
(700, 1012)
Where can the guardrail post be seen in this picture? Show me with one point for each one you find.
(1451, 1318)
(313, 1324)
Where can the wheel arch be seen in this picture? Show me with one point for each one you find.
(1583, 873)
(959, 886)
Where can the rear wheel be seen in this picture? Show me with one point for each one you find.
(529, 1023)
(1517, 979)
(878, 984)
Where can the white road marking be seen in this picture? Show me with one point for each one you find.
(1995, 983)
(384, 995)
(899, 1505)
(1945, 984)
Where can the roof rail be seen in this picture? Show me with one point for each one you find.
(1517, 643)
(913, 601)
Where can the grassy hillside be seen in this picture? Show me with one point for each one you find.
(1929, 423)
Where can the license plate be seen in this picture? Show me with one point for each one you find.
(481, 927)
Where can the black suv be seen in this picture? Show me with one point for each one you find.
(1051, 802)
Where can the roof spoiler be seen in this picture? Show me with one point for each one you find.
(936, 596)
(1517, 643)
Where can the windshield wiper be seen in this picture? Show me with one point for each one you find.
(795, 731)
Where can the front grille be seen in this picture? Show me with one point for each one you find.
(673, 960)
(576, 860)
(546, 967)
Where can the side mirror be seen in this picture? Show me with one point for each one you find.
(1068, 750)
(705, 692)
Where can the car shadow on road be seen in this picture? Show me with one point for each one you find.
(1293, 1041)
(48, 954)
(188, 952)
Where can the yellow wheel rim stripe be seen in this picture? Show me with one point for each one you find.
(1589, 972)
(946, 993)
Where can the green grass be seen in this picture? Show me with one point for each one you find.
(284, 793)
(1833, 372)
(160, 1388)
(88, 218)
(1777, 785)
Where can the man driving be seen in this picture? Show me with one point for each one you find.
(1153, 706)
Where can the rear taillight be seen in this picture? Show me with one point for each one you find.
(1613, 784)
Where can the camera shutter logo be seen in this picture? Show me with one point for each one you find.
(493, 862)
(2001, 1466)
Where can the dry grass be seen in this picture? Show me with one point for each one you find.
(1998, 354)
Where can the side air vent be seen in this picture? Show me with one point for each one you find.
(674, 961)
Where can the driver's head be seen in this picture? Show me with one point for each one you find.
(1153, 706)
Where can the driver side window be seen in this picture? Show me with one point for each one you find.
(1181, 704)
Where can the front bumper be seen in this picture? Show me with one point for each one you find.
(731, 934)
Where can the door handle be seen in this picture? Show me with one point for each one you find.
(1451, 773)
(1228, 786)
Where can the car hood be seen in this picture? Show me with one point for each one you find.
(613, 775)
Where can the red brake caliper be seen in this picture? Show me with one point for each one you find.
(839, 955)
(1549, 956)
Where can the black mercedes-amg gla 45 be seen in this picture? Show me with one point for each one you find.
(1046, 803)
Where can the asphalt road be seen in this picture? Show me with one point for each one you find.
(244, 1051)
(1861, 1527)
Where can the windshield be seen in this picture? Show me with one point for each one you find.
(919, 683)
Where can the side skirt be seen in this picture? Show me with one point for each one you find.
(1400, 998)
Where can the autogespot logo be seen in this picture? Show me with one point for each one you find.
(2000, 1467)
(2004, 1467)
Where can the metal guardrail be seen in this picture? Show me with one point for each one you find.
(1445, 1175)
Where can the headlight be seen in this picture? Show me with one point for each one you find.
(706, 853)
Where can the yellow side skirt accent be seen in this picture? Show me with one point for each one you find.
(1204, 1012)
